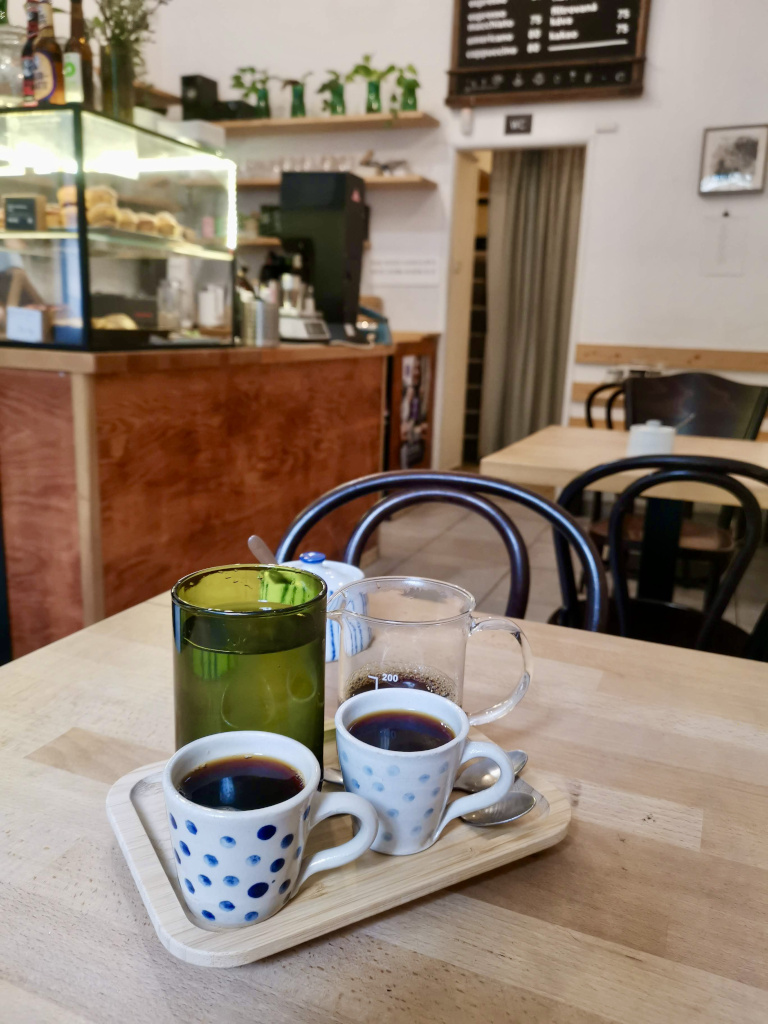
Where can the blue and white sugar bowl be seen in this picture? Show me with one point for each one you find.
(336, 576)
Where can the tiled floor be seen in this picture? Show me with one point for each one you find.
(447, 543)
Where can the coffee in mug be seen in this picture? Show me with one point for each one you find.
(406, 731)
(241, 783)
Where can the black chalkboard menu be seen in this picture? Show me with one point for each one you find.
(519, 51)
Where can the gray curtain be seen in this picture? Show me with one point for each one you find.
(533, 228)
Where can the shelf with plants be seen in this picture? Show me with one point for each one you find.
(330, 123)
(384, 181)
(399, 111)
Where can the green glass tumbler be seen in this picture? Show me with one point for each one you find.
(249, 653)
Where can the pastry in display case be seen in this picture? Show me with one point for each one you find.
(112, 237)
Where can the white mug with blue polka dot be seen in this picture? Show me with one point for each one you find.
(410, 790)
(240, 867)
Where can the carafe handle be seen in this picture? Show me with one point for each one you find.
(520, 690)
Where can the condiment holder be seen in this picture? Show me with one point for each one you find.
(651, 438)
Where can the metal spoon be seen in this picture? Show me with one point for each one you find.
(484, 772)
(521, 799)
(261, 550)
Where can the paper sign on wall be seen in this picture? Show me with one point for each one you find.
(401, 270)
(724, 251)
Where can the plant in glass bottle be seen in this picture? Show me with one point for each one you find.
(334, 102)
(374, 79)
(123, 27)
(298, 106)
(253, 82)
(408, 84)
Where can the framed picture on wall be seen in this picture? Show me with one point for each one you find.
(733, 159)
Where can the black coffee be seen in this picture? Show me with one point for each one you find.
(411, 677)
(404, 731)
(241, 783)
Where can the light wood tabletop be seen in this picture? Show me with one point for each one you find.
(554, 456)
(653, 909)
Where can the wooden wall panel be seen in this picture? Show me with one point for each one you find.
(37, 463)
(673, 358)
(192, 462)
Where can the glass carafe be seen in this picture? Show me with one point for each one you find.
(407, 631)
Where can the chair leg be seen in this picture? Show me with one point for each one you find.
(597, 505)
(757, 645)
(716, 569)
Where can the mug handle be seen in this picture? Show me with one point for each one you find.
(485, 797)
(326, 805)
(506, 705)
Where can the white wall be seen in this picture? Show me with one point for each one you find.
(640, 279)
(196, 37)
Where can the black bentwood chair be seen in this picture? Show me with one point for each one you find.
(652, 615)
(415, 487)
(695, 403)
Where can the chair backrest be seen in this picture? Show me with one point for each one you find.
(667, 469)
(697, 403)
(416, 482)
(519, 568)
(618, 389)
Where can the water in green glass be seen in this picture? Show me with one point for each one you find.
(249, 653)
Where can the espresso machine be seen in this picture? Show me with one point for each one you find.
(323, 228)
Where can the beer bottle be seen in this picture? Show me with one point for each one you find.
(49, 71)
(78, 61)
(28, 53)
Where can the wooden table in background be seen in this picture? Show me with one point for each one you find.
(654, 910)
(554, 456)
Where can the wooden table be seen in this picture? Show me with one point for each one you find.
(654, 909)
(554, 456)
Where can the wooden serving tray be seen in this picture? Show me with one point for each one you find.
(370, 885)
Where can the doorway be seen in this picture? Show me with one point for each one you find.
(512, 289)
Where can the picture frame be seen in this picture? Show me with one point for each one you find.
(733, 160)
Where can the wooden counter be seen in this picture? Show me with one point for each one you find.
(121, 472)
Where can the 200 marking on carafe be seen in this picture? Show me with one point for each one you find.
(377, 677)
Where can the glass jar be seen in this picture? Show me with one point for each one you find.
(298, 107)
(408, 100)
(373, 103)
(11, 75)
(336, 102)
(262, 107)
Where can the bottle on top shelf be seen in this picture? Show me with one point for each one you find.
(11, 42)
(28, 53)
(78, 61)
(49, 65)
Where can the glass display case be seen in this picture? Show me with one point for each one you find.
(112, 237)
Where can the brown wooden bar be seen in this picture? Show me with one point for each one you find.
(121, 472)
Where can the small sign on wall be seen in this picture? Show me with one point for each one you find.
(404, 270)
(724, 248)
(518, 124)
